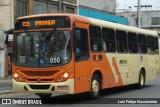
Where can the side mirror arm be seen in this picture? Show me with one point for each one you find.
(6, 39)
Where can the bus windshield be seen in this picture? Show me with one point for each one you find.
(42, 49)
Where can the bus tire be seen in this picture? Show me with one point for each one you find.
(44, 95)
(141, 82)
(95, 87)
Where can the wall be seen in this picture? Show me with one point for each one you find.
(146, 18)
(5, 24)
(103, 5)
(3, 56)
(71, 1)
(101, 9)
(101, 15)
(5, 14)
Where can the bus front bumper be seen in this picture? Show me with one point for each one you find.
(66, 87)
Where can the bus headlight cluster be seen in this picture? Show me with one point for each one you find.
(17, 77)
(64, 76)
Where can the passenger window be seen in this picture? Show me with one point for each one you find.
(121, 39)
(156, 48)
(81, 44)
(132, 43)
(150, 45)
(96, 40)
(108, 40)
(142, 44)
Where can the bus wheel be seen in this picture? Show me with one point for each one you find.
(44, 95)
(95, 86)
(141, 83)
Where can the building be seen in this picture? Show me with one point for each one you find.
(6, 23)
(103, 9)
(30, 7)
(102, 5)
(149, 19)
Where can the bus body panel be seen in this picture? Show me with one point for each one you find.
(151, 71)
(82, 76)
(119, 78)
(132, 72)
(157, 64)
(142, 61)
(24, 87)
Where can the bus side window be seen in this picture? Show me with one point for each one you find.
(156, 48)
(132, 43)
(109, 39)
(142, 44)
(81, 47)
(121, 39)
(96, 39)
(150, 45)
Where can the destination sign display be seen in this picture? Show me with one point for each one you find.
(43, 22)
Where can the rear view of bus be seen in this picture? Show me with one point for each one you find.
(42, 55)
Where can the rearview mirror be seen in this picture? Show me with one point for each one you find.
(6, 39)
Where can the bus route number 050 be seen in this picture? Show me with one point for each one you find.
(55, 60)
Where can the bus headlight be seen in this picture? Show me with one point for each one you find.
(64, 76)
(17, 77)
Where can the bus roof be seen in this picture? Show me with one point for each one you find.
(99, 22)
(122, 27)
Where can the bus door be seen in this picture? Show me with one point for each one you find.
(82, 62)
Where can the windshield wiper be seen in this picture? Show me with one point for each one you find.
(45, 37)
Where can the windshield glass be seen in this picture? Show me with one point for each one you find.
(42, 49)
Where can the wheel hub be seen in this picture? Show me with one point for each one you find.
(95, 87)
(142, 80)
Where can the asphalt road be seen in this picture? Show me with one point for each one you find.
(151, 90)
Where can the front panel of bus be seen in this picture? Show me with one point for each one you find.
(42, 56)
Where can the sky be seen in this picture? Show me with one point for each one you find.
(124, 4)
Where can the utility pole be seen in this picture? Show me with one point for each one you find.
(60, 6)
(77, 6)
(138, 14)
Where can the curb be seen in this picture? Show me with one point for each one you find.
(6, 92)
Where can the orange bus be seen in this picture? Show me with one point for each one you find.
(70, 54)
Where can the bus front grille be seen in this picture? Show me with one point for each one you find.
(40, 80)
(39, 73)
(39, 87)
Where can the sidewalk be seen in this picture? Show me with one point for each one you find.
(5, 85)
(5, 78)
